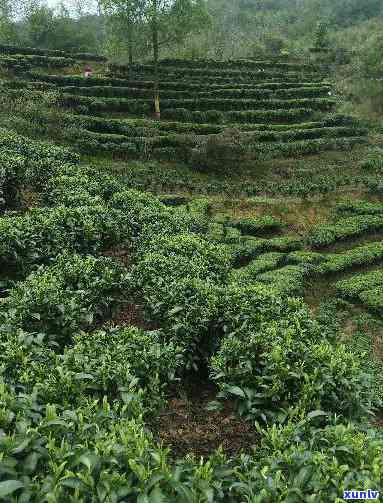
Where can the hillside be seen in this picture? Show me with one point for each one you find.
(192, 306)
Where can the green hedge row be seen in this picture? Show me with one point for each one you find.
(249, 248)
(186, 148)
(234, 64)
(198, 94)
(249, 116)
(206, 72)
(221, 156)
(14, 63)
(304, 134)
(25, 84)
(288, 280)
(323, 264)
(138, 127)
(363, 287)
(263, 263)
(94, 105)
(261, 79)
(373, 160)
(27, 62)
(168, 85)
(31, 51)
(149, 140)
(320, 104)
(144, 106)
(256, 226)
(345, 228)
(362, 255)
(373, 299)
(354, 207)
(147, 127)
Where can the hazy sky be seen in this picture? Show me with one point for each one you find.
(87, 5)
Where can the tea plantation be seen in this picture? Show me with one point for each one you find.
(191, 308)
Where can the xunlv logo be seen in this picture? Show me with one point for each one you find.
(361, 495)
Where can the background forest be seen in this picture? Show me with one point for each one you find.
(351, 29)
(238, 28)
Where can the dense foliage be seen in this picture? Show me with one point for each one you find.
(186, 280)
(76, 391)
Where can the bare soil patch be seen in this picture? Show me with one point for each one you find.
(188, 428)
(120, 254)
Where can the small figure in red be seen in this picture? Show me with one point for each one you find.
(88, 71)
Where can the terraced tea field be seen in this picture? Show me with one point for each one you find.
(211, 114)
(210, 280)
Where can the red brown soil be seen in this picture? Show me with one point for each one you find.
(131, 315)
(120, 254)
(188, 428)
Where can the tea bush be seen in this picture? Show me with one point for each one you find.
(71, 294)
(43, 234)
(344, 228)
(314, 462)
(353, 287)
(361, 255)
(271, 360)
(355, 207)
(263, 263)
(120, 363)
(256, 226)
(290, 279)
(180, 280)
(12, 176)
(33, 51)
(373, 299)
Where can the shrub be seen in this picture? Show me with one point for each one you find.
(305, 258)
(344, 228)
(269, 365)
(373, 161)
(42, 234)
(290, 279)
(70, 295)
(373, 299)
(257, 225)
(122, 362)
(181, 256)
(12, 176)
(263, 263)
(353, 287)
(361, 255)
(317, 463)
(355, 207)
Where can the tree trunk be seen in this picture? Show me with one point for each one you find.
(156, 86)
(130, 44)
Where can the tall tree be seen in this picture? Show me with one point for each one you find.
(124, 17)
(166, 21)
